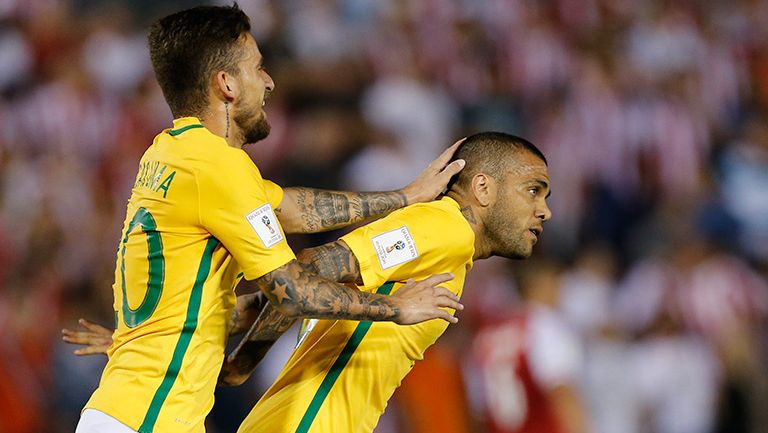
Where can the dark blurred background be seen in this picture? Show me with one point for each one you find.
(653, 116)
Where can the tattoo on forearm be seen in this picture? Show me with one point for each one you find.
(237, 369)
(245, 312)
(332, 208)
(267, 328)
(298, 292)
(327, 210)
(333, 261)
(235, 322)
(382, 203)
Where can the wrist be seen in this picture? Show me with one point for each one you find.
(396, 311)
(410, 195)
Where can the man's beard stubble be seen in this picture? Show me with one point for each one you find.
(253, 128)
(507, 238)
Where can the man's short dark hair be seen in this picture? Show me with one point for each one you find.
(188, 47)
(491, 153)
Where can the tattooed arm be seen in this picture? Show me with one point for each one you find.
(307, 210)
(246, 312)
(268, 327)
(333, 261)
(296, 292)
(336, 262)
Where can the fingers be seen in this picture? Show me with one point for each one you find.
(95, 338)
(76, 337)
(90, 350)
(84, 337)
(448, 299)
(451, 169)
(93, 327)
(448, 317)
(448, 153)
(437, 279)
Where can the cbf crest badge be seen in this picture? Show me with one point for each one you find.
(264, 222)
(395, 247)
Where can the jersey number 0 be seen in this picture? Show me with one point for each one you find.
(135, 317)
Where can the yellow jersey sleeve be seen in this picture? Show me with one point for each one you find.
(237, 207)
(420, 239)
(274, 193)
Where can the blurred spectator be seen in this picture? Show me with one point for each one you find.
(700, 303)
(744, 173)
(528, 364)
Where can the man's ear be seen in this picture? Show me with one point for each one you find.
(226, 85)
(483, 189)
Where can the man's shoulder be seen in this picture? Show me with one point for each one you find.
(441, 209)
(437, 226)
(200, 151)
(442, 217)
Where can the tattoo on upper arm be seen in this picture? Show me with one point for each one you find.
(300, 293)
(326, 210)
(333, 261)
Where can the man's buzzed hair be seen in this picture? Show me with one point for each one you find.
(491, 153)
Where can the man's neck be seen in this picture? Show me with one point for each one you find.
(218, 119)
(473, 215)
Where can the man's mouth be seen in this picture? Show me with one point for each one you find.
(536, 231)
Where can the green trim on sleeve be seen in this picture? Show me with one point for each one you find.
(337, 367)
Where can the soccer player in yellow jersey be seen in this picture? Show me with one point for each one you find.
(200, 218)
(342, 373)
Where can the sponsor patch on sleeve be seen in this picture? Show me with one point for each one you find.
(395, 247)
(264, 222)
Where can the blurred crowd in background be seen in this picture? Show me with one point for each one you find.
(647, 299)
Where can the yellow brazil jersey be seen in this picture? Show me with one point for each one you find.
(342, 373)
(200, 216)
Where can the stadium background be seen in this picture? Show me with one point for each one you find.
(653, 115)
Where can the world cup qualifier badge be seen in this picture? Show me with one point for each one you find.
(395, 247)
(264, 223)
(399, 245)
(268, 223)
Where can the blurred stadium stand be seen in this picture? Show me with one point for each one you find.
(653, 116)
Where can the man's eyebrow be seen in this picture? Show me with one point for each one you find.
(544, 184)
